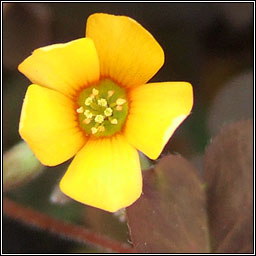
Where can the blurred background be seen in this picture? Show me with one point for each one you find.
(207, 44)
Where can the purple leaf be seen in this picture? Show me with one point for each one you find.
(229, 177)
(170, 216)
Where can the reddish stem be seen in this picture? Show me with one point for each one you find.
(80, 234)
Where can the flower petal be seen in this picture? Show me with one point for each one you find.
(128, 53)
(105, 174)
(48, 124)
(63, 67)
(155, 111)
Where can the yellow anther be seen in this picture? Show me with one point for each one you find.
(102, 102)
(88, 113)
(120, 101)
(87, 120)
(110, 93)
(99, 119)
(80, 110)
(108, 112)
(114, 121)
(119, 108)
(88, 101)
(94, 130)
(95, 91)
(101, 128)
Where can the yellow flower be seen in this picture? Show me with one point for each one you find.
(89, 99)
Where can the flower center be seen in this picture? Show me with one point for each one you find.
(103, 109)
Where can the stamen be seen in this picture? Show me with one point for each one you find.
(80, 110)
(102, 102)
(102, 109)
(95, 91)
(108, 112)
(87, 120)
(120, 101)
(119, 108)
(101, 128)
(99, 119)
(94, 130)
(110, 93)
(88, 113)
(88, 101)
(114, 121)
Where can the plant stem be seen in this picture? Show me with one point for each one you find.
(77, 233)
